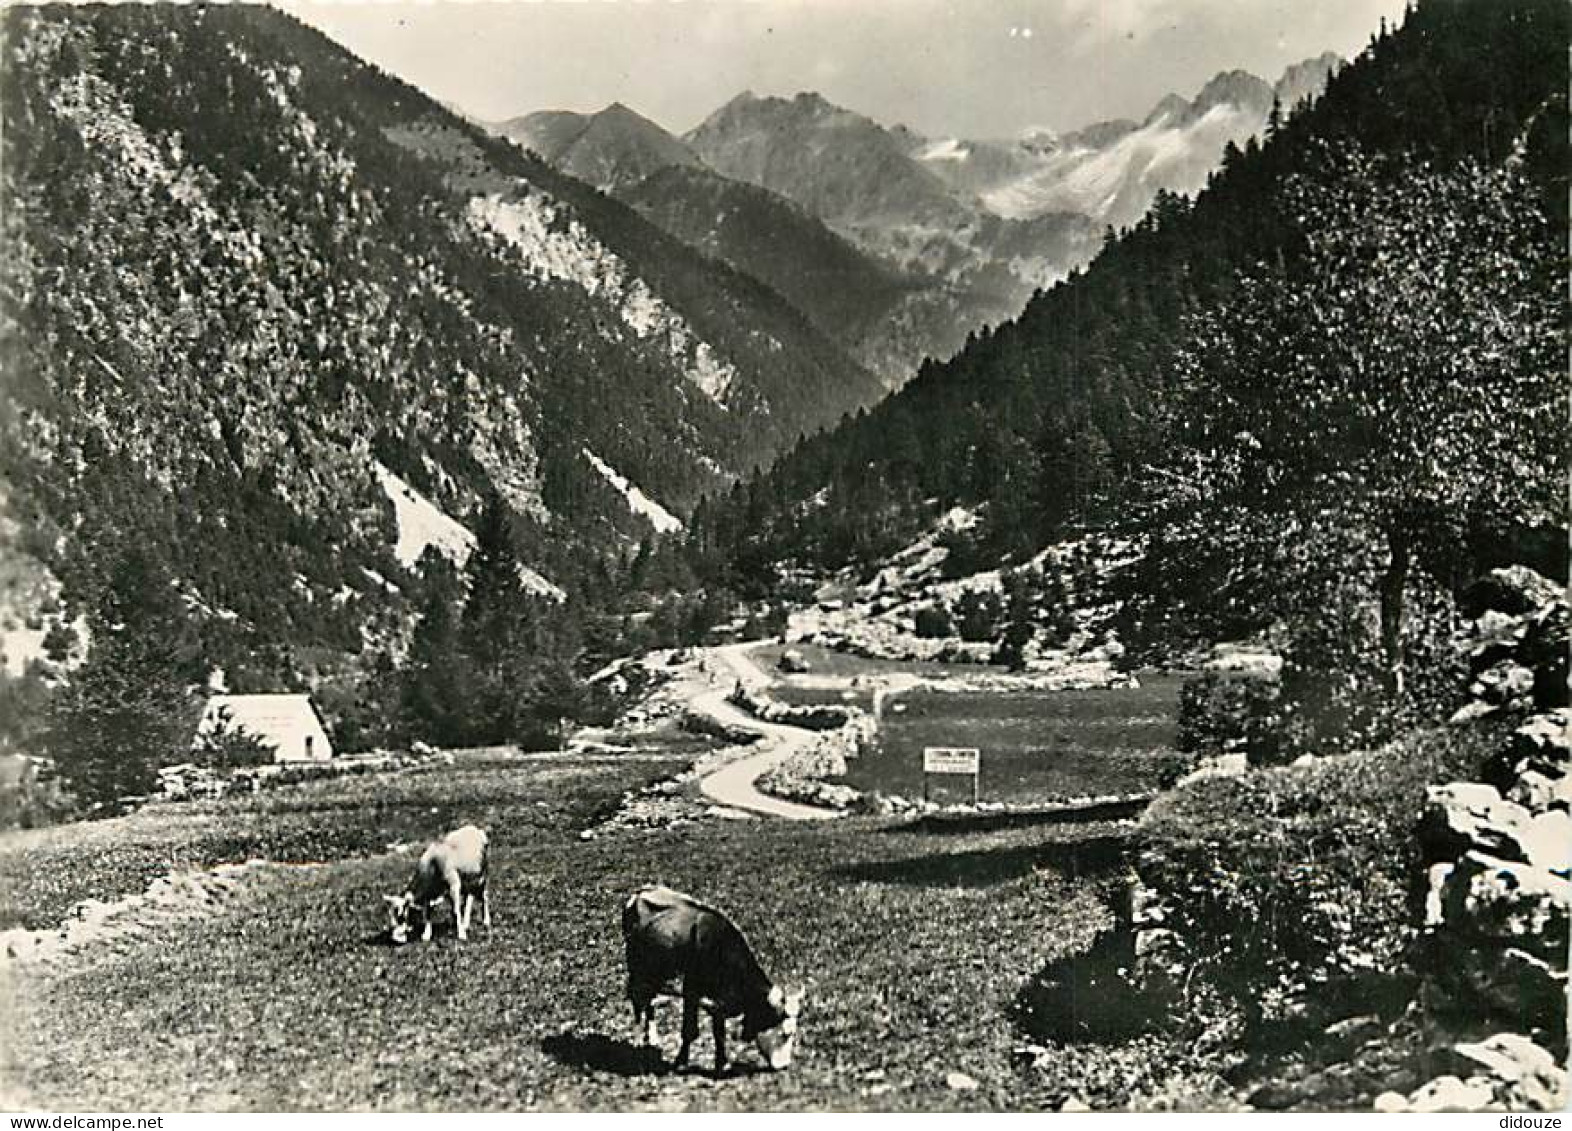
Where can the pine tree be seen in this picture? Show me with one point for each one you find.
(436, 703)
(132, 705)
(490, 627)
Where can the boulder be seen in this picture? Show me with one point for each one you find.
(1514, 903)
(1343, 1037)
(1544, 743)
(1461, 816)
(1545, 649)
(1389, 1103)
(1524, 1073)
(1540, 794)
(1495, 636)
(1514, 590)
(1449, 1093)
(793, 662)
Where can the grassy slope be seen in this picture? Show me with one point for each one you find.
(44, 871)
(914, 941)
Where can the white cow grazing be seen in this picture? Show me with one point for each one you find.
(452, 869)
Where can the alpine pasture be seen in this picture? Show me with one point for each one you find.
(916, 940)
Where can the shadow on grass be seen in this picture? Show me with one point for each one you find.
(1091, 997)
(986, 867)
(600, 1053)
(959, 824)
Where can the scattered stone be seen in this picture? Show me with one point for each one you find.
(1505, 683)
(960, 1082)
(1074, 1105)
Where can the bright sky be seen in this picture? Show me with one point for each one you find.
(974, 68)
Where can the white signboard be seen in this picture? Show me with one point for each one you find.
(950, 759)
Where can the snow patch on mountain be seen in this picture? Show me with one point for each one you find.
(556, 246)
(949, 149)
(1119, 181)
(659, 517)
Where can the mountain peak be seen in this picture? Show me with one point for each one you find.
(1307, 78)
(1173, 108)
(1235, 88)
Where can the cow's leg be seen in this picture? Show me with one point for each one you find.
(642, 998)
(718, 1027)
(644, 1021)
(690, 1025)
(485, 905)
(425, 932)
(469, 909)
(456, 894)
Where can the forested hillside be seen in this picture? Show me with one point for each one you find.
(888, 319)
(1052, 421)
(277, 327)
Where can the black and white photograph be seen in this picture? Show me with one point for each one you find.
(855, 556)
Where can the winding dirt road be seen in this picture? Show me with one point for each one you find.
(732, 784)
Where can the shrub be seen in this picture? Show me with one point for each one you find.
(1289, 882)
(1220, 712)
(978, 613)
(932, 622)
(226, 745)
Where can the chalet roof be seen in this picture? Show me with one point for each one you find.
(265, 714)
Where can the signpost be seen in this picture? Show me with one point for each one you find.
(951, 760)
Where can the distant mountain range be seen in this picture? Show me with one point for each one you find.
(956, 233)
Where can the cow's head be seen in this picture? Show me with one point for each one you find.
(404, 913)
(777, 1040)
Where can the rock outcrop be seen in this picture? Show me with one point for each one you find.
(1498, 856)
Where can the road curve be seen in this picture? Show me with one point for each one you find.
(732, 784)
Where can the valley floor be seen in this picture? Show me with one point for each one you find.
(915, 939)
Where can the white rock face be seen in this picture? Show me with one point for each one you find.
(422, 523)
(555, 245)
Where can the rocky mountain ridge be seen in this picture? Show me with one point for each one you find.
(971, 229)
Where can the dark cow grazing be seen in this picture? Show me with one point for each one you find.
(452, 869)
(680, 947)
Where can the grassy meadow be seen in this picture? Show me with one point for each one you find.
(1037, 747)
(914, 940)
